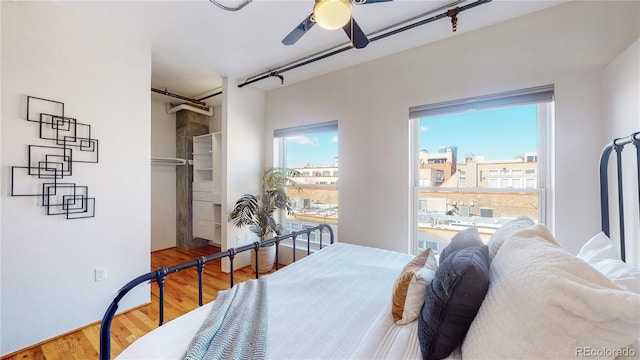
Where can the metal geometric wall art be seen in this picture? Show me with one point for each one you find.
(69, 142)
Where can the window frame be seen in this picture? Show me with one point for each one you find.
(279, 159)
(543, 96)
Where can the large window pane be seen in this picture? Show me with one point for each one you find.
(476, 168)
(313, 152)
(441, 214)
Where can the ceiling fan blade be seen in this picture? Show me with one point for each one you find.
(299, 30)
(363, 2)
(358, 38)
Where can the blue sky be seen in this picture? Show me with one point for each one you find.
(498, 134)
(317, 149)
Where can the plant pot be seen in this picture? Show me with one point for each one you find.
(266, 259)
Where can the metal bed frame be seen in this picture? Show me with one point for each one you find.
(160, 275)
(617, 145)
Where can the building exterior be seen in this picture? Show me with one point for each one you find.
(315, 198)
(472, 195)
(520, 173)
(437, 168)
(319, 175)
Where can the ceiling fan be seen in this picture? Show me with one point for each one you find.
(332, 15)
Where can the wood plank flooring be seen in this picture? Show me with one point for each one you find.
(181, 296)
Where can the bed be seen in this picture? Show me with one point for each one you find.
(349, 301)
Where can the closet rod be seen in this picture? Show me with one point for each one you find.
(168, 161)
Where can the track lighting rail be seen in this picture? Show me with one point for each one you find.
(381, 34)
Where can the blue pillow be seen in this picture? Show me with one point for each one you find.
(452, 301)
(463, 239)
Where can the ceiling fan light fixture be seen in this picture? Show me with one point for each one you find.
(332, 14)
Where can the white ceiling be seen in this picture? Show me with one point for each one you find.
(195, 43)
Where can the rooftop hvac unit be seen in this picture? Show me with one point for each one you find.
(464, 211)
(301, 203)
(486, 212)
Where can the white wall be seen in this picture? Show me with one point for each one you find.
(622, 117)
(215, 125)
(48, 262)
(0, 158)
(567, 46)
(242, 142)
(163, 177)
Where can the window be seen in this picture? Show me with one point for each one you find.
(292, 226)
(312, 150)
(516, 183)
(502, 135)
(530, 183)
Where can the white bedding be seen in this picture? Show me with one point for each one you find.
(545, 303)
(333, 304)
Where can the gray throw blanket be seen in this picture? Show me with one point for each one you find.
(236, 327)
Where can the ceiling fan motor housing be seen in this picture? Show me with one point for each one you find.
(332, 14)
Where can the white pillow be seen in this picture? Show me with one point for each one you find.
(601, 253)
(545, 303)
(410, 288)
(505, 231)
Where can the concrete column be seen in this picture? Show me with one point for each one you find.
(188, 125)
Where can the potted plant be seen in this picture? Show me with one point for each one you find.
(256, 211)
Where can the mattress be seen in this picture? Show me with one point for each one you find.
(334, 304)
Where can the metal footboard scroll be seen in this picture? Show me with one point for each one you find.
(161, 274)
(617, 145)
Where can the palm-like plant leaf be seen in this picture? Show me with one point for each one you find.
(257, 211)
(267, 225)
(279, 178)
(280, 200)
(244, 211)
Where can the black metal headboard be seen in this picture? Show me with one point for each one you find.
(617, 145)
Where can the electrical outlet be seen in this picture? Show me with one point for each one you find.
(101, 273)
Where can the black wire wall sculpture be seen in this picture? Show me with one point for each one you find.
(48, 165)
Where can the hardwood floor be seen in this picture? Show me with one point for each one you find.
(181, 296)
